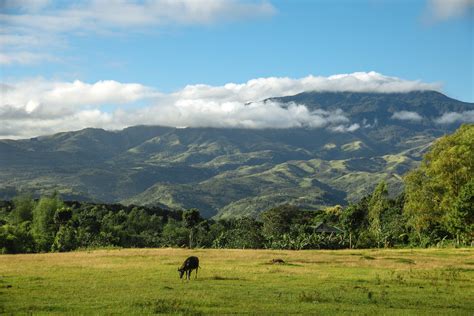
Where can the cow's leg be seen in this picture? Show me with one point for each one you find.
(189, 274)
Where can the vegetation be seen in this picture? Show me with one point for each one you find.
(436, 209)
(234, 172)
(440, 194)
(145, 281)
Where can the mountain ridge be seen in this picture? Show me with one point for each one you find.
(234, 171)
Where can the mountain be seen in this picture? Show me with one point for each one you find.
(229, 172)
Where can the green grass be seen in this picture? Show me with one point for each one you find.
(145, 281)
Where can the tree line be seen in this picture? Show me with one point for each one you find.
(436, 208)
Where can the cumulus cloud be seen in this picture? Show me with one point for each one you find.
(38, 106)
(48, 99)
(407, 116)
(456, 117)
(439, 10)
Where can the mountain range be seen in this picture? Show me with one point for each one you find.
(363, 138)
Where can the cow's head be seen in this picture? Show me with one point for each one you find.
(181, 272)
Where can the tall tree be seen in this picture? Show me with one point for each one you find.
(460, 221)
(433, 189)
(191, 218)
(277, 221)
(354, 219)
(23, 208)
(44, 227)
(378, 203)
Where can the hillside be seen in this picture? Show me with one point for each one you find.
(231, 172)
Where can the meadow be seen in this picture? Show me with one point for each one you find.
(146, 281)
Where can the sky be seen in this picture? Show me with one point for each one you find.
(66, 65)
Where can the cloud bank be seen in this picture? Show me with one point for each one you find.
(38, 106)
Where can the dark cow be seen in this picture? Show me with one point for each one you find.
(188, 266)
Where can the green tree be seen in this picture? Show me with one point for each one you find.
(420, 205)
(243, 233)
(378, 203)
(23, 208)
(16, 238)
(44, 227)
(432, 191)
(62, 215)
(332, 214)
(190, 219)
(393, 226)
(175, 234)
(278, 220)
(460, 221)
(88, 222)
(65, 239)
(354, 220)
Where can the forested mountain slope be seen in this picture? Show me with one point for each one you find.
(229, 172)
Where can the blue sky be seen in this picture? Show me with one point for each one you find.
(396, 38)
(166, 47)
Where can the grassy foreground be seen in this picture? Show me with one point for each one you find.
(145, 281)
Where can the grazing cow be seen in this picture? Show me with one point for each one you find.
(188, 266)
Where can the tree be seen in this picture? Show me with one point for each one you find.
(432, 191)
(377, 205)
(190, 219)
(23, 208)
(332, 214)
(44, 227)
(420, 205)
(244, 233)
(460, 221)
(393, 225)
(278, 220)
(354, 219)
(174, 234)
(65, 239)
(88, 223)
(16, 238)
(62, 215)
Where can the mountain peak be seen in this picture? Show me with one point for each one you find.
(235, 170)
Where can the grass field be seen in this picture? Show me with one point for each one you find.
(145, 281)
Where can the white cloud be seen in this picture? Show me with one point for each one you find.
(455, 117)
(24, 58)
(46, 99)
(44, 23)
(447, 9)
(345, 129)
(97, 14)
(407, 116)
(262, 88)
(38, 106)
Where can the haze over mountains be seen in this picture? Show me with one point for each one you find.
(351, 141)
